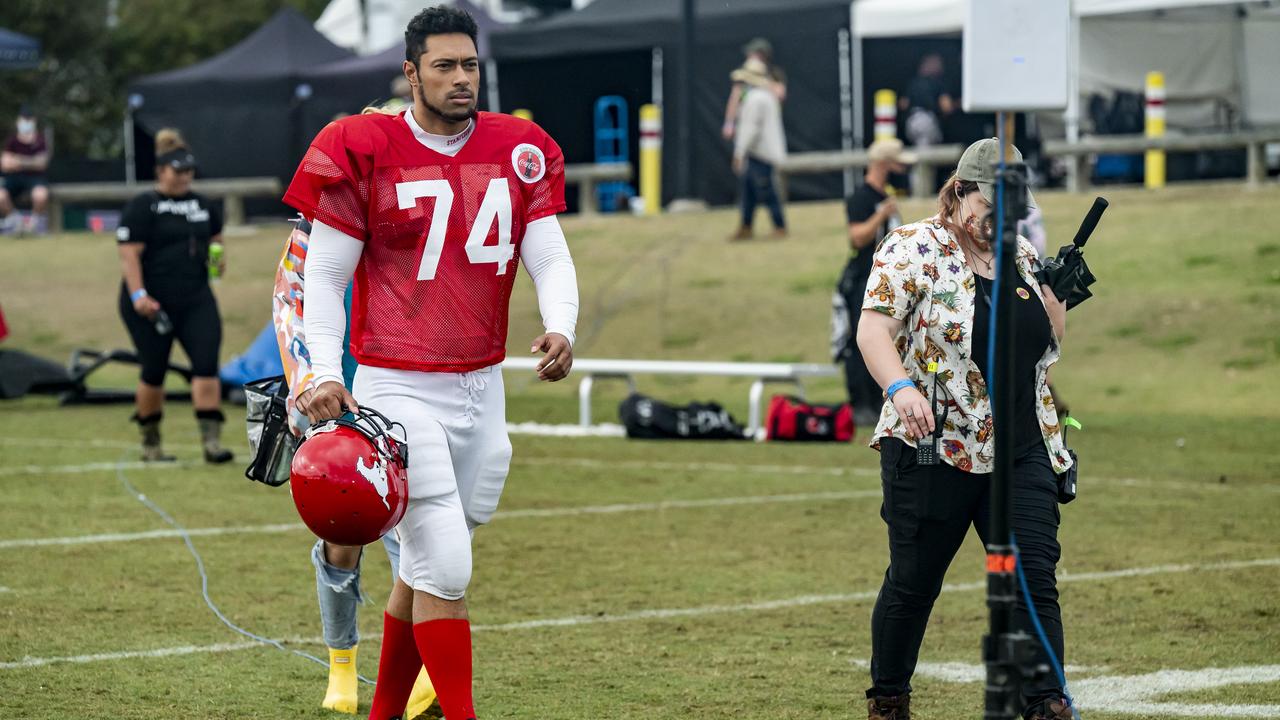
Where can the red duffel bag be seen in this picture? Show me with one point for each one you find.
(790, 418)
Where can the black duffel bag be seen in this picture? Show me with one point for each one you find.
(649, 419)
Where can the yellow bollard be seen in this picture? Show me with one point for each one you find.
(1154, 166)
(886, 114)
(523, 114)
(651, 158)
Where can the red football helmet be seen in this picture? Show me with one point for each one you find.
(350, 478)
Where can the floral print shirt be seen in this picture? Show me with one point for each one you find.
(920, 276)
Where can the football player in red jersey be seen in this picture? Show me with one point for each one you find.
(432, 210)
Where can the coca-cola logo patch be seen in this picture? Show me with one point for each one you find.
(529, 162)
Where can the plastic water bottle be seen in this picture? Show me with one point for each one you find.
(215, 262)
(163, 324)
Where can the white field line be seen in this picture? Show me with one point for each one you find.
(962, 672)
(31, 662)
(46, 442)
(1136, 694)
(593, 463)
(559, 462)
(90, 467)
(501, 515)
(658, 613)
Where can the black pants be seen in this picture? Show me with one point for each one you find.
(929, 510)
(196, 324)
(864, 391)
(757, 187)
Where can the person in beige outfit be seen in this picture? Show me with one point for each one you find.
(759, 146)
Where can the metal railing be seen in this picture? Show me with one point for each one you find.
(929, 158)
(233, 191)
(587, 175)
(1078, 154)
(586, 370)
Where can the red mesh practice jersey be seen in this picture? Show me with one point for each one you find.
(442, 234)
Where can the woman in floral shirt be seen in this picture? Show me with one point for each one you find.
(924, 332)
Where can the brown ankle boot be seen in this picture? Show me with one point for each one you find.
(210, 422)
(149, 427)
(896, 707)
(1057, 709)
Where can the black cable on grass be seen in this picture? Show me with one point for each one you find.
(204, 576)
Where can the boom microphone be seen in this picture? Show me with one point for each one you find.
(1090, 222)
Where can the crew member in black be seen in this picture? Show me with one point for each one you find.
(165, 238)
(872, 213)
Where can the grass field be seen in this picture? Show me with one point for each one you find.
(638, 579)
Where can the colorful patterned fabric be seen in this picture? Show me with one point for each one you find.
(286, 315)
(921, 278)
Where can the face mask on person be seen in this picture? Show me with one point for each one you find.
(899, 181)
(26, 126)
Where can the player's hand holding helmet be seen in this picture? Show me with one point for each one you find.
(350, 479)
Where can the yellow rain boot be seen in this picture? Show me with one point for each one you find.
(421, 697)
(341, 695)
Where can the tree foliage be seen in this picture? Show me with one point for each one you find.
(92, 49)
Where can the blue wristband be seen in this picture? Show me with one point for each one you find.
(138, 294)
(896, 386)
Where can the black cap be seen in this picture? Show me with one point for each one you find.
(179, 159)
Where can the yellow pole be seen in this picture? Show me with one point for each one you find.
(651, 158)
(523, 114)
(886, 114)
(1154, 170)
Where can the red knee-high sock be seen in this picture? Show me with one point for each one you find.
(397, 669)
(445, 648)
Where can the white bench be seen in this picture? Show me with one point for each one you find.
(587, 370)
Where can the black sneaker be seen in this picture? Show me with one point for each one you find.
(897, 707)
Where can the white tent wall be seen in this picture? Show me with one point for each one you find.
(1199, 60)
(1262, 60)
(1204, 47)
(342, 23)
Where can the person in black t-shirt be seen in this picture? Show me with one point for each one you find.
(164, 241)
(872, 213)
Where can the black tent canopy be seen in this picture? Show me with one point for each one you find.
(559, 67)
(240, 110)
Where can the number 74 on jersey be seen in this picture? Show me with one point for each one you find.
(495, 206)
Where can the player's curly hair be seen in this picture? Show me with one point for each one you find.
(438, 20)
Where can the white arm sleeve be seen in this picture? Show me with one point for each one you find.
(545, 255)
(332, 256)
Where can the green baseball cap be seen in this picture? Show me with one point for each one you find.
(978, 164)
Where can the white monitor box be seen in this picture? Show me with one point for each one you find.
(1015, 55)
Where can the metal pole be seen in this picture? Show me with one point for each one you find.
(684, 160)
(656, 85)
(491, 83)
(130, 172)
(846, 109)
(856, 61)
(1004, 651)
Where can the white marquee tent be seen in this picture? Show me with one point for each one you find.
(1217, 56)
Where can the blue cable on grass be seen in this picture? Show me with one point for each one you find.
(204, 576)
(1058, 671)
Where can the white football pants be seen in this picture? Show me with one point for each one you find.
(459, 455)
